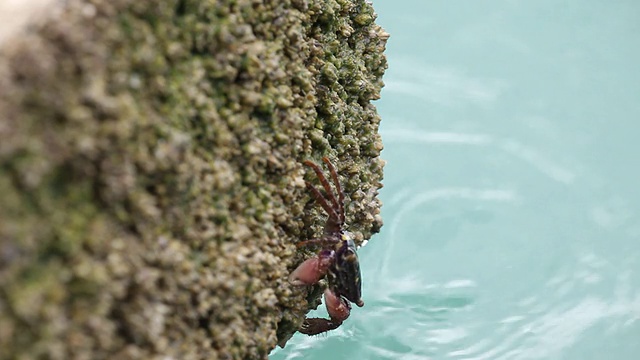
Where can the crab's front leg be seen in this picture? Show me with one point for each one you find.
(339, 310)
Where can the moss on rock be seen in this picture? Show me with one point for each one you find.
(151, 183)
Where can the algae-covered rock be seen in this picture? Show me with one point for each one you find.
(151, 186)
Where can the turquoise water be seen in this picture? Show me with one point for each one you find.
(511, 198)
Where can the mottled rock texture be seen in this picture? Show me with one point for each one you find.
(151, 186)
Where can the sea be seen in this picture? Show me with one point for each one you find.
(512, 187)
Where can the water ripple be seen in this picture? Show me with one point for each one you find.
(545, 327)
(419, 199)
(434, 137)
(547, 166)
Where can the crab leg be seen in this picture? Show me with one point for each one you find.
(336, 182)
(321, 241)
(325, 183)
(333, 216)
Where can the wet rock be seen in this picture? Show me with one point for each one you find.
(151, 186)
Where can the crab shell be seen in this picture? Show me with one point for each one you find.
(344, 274)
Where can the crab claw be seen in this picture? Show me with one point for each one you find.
(311, 270)
(337, 307)
(307, 273)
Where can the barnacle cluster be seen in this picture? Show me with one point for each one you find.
(151, 186)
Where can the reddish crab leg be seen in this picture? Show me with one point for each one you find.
(323, 242)
(317, 195)
(336, 182)
(333, 206)
(323, 180)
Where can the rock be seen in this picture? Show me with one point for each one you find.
(151, 185)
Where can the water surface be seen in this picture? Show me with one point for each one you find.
(511, 199)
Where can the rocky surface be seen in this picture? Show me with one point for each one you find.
(151, 185)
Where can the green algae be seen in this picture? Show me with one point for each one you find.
(151, 178)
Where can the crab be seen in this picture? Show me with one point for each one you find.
(337, 259)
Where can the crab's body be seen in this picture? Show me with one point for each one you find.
(344, 275)
(337, 260)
